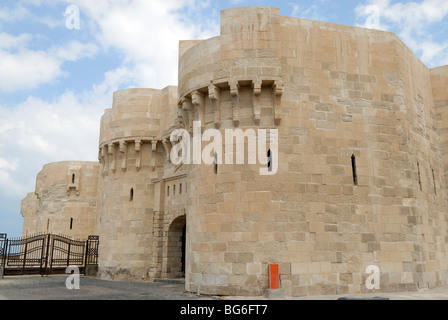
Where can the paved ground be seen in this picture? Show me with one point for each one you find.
(54, 288)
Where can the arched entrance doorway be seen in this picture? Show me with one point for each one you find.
(184, 239)
(176, 243)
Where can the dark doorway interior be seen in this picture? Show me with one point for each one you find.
(184, 232)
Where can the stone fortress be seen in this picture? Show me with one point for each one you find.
(362, 160)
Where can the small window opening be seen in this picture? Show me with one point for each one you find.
(71, 223)
(355, 175)
(269, 155)
(434, 182)
(174, 190)
(180, 188)
(419, 177)
(73, 178)
(168, 191)
(215, 156)
(131, 194)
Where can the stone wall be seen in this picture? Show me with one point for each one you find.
(361, 179)
(357, 139)
(131, 156)
(64, 201)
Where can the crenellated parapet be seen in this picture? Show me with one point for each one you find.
(114, 155)
(241, 64)
(206, 104)
(132, 128)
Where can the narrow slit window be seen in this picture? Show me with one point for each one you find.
(73, 178)
(434, 182)
(71, 223)
(419, 176)
(215, 163)
(180, 188)
(269, 155)
(174, 190)
(131, 195)
(355, 175)
(168, 191)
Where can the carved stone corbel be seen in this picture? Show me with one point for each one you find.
(112, 153)
(256, 86)
(214, 95)
(153, 155)
(124, 151)
(105, 157)
(188, 114)
(167, 145)
(234, 92)
(277, 91)
(153, 145)
(138, 156)
(198, 101)
(180, 120)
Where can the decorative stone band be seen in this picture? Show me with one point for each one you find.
(109, 150)
(192, 105)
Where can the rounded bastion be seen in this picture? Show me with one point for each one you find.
(359, 179)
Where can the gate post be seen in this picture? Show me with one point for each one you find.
(91, 256)
(46, 254)
(3, 246)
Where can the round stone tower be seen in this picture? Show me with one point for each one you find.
(64, 200)
(357, 180)
(127, 151)
(315, 147)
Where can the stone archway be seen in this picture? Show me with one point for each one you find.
(175, 258)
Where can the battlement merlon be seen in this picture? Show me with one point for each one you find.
(138, 114)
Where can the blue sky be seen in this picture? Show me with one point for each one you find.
(56, 81)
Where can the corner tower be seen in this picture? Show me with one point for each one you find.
(360, 178)
(131, 154)
(64, 200)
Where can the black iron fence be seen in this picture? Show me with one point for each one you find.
(46, 254)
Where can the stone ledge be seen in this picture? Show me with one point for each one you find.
(274, 294)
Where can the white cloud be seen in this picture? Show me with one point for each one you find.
(147, 33)
(312, 12)
(413, 22)
(66, 126)
(10, 165)
(27, 69)
(74, 51)
(37, 132)
(8, 41)
(17, 13)
(431, 50)
(20, 12)
(22, 68)
(9, 185)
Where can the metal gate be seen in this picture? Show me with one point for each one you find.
(46, 254)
